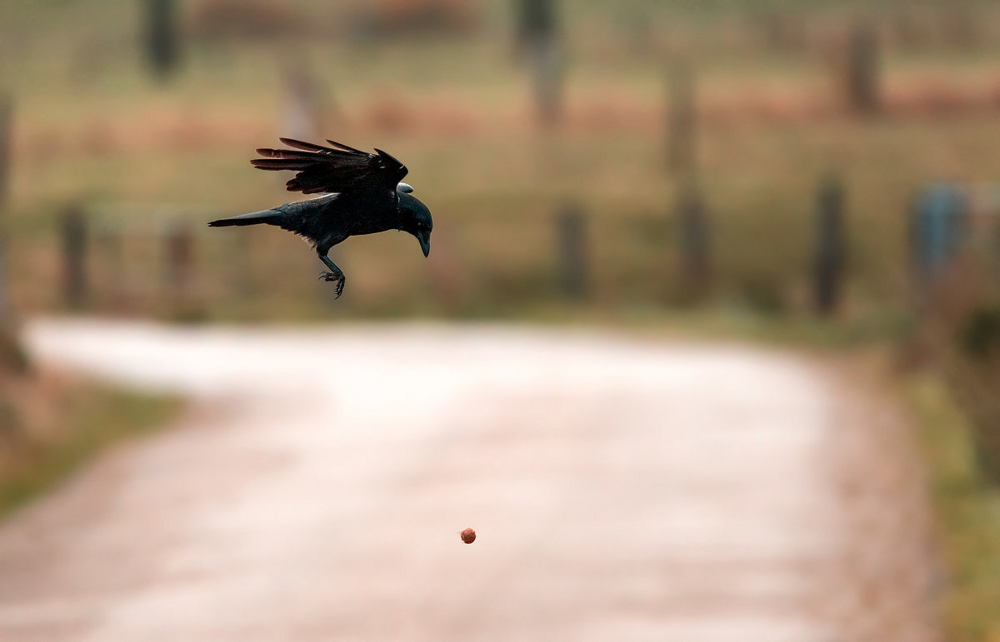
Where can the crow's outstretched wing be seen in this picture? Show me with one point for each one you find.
(332, 169)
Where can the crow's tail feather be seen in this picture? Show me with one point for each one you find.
(254, 218)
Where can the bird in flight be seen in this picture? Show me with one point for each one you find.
(361, 193)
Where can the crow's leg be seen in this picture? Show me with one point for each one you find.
(335, 274)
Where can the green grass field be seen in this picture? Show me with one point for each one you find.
(93, 127)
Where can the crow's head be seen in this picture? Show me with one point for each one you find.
(416, 219)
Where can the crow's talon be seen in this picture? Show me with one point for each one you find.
(331, 277)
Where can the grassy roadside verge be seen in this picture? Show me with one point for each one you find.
(77, 423)
(966, 508)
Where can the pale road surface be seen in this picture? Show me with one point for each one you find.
(621, 490)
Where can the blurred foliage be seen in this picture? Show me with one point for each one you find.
(959, 332)
(980, 334)
(968, 511)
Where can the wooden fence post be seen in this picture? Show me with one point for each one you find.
(179, 257)
(161, 36)
(537, 34)
(681, 115)
(74, 236)
(111, 248)
(574, 272)
(829, 258)
(694, 237)
(446, 278)
(863, 69)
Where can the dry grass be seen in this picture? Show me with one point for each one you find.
(967, 511)
(49, 425)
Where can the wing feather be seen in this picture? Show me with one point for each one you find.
(339, 168)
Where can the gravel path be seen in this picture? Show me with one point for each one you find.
(621, 490)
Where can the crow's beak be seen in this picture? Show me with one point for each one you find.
(425, 241)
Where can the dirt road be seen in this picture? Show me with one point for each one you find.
(621, 490)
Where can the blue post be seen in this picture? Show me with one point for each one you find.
(938, 227)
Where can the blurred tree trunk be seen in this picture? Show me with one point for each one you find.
(161, 36)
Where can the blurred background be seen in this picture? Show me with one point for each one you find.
(618, 158)
(824, 172)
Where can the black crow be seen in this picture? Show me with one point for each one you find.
(361, 194)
